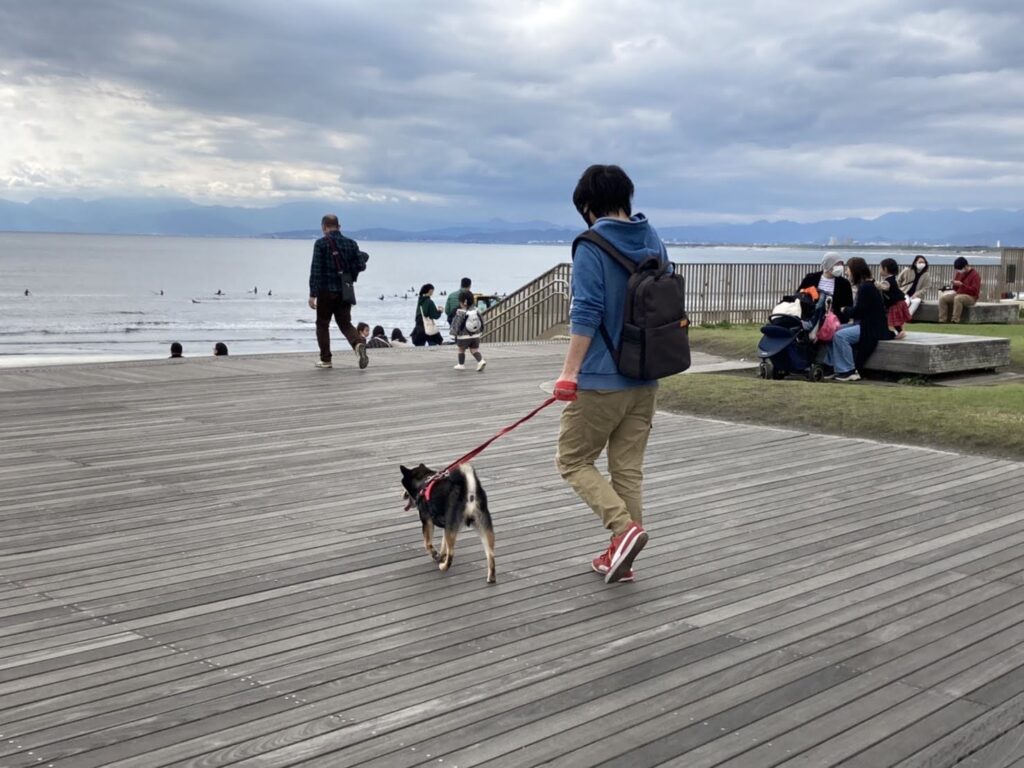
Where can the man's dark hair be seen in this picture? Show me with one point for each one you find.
(889, 265)
(362, 326)
(396, 335)
(378, 330)
(465, 283)
(330, 221)
(176, 349)
(859, 270)
(466, 296)
(960, 263)
(603, 190)
(220, 349)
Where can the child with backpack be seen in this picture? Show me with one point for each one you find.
(467, 327)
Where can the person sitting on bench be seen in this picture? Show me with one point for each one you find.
(965, 290)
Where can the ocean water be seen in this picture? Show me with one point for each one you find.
(99, 296)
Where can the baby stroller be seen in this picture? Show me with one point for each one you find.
(789, 341)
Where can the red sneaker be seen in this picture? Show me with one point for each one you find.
(624, 548)
(603, 562)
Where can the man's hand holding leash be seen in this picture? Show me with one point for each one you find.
(565, 390)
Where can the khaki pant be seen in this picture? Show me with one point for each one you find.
(956, 302)
(620, 420)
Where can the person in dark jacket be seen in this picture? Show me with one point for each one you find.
(854, 343)
(829, 279)
(426, 309)
(325, 289)
(379, 339)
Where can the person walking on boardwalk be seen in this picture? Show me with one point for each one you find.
(451, 304)
(606, 409)
(334, 255)
(467, 328)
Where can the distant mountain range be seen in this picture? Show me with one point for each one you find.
(172, 216)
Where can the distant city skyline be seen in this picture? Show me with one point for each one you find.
(472, 109)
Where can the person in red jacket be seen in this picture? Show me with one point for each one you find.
(966, 290)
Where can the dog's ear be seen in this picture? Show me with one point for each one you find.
(423, 467)
(405, 470)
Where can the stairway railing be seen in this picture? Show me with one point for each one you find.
(533, 310)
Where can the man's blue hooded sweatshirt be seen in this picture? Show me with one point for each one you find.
(599, 296)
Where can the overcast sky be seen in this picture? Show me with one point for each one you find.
(719, 110)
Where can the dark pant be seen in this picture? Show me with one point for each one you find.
(330, 305)
(420, 339)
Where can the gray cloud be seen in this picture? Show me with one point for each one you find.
(740, 109)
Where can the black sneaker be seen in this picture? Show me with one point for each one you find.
(364, 359)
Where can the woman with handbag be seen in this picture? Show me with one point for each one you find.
(866, 324)
(427, 314)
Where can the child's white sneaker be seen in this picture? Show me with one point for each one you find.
(459, 367)
(481, 365)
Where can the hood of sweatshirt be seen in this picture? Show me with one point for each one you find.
(635, 238)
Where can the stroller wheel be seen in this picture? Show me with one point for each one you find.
(766, 370)
(815, 373)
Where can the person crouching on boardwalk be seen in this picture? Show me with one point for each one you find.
(467, 328)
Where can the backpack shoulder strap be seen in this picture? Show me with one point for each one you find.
(594, 238)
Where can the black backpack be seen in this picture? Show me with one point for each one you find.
(655, 339)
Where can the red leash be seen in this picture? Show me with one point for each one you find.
(425, 491)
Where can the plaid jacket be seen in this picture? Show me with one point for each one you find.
(323, 274)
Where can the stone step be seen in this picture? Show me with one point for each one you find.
(929, 354)
(982, 312)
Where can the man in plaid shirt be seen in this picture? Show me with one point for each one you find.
(332, 254)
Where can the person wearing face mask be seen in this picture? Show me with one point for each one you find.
(829, 279)
(913, 281)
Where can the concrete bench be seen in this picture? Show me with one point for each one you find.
(982, 312)
(929, 354)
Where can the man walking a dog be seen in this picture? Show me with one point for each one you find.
(336, 258)
(605, 408)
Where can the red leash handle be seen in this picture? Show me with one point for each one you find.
(425, 492)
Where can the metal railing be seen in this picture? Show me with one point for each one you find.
(532, 311)
(715, 293)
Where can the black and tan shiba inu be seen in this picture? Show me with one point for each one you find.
(451, 502)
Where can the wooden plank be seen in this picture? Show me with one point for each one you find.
(212, 583)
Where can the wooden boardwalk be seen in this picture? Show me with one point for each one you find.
(206, 562)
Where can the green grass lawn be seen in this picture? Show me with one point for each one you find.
(977, 419)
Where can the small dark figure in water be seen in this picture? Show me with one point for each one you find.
(176, 350)
(381, 297)
(161, 291)
(219, 292)
(220, 349)
(270, 293)
(255, 289)
(26, 292)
